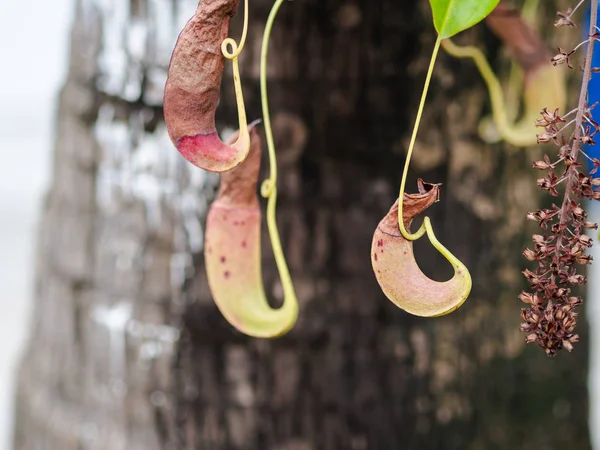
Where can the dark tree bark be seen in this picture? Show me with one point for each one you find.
(127, 349)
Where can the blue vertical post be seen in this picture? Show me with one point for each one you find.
(593, 90)
(593, 286)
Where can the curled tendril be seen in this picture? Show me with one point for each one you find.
(269, 186)
(426, 223)
(236, 49)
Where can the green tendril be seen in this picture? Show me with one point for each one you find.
(269, 186)
(494, 87)
(548, 89)
(426, 227)
(236, 50)
(413, 139)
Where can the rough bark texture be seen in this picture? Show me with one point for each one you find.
(127, 349)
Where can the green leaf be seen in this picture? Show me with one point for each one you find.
(453, 16)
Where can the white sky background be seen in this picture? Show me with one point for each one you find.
(33, 61)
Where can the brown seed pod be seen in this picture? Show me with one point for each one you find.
(233, 254)
(397, 271)
(192, 90)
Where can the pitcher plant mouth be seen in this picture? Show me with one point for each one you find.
(193, 84)
(233, 254)
(397, 271)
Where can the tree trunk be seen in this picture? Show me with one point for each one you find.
(128, 350)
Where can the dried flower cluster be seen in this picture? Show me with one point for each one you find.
(560, 251)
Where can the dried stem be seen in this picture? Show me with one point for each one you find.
(581, 109)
